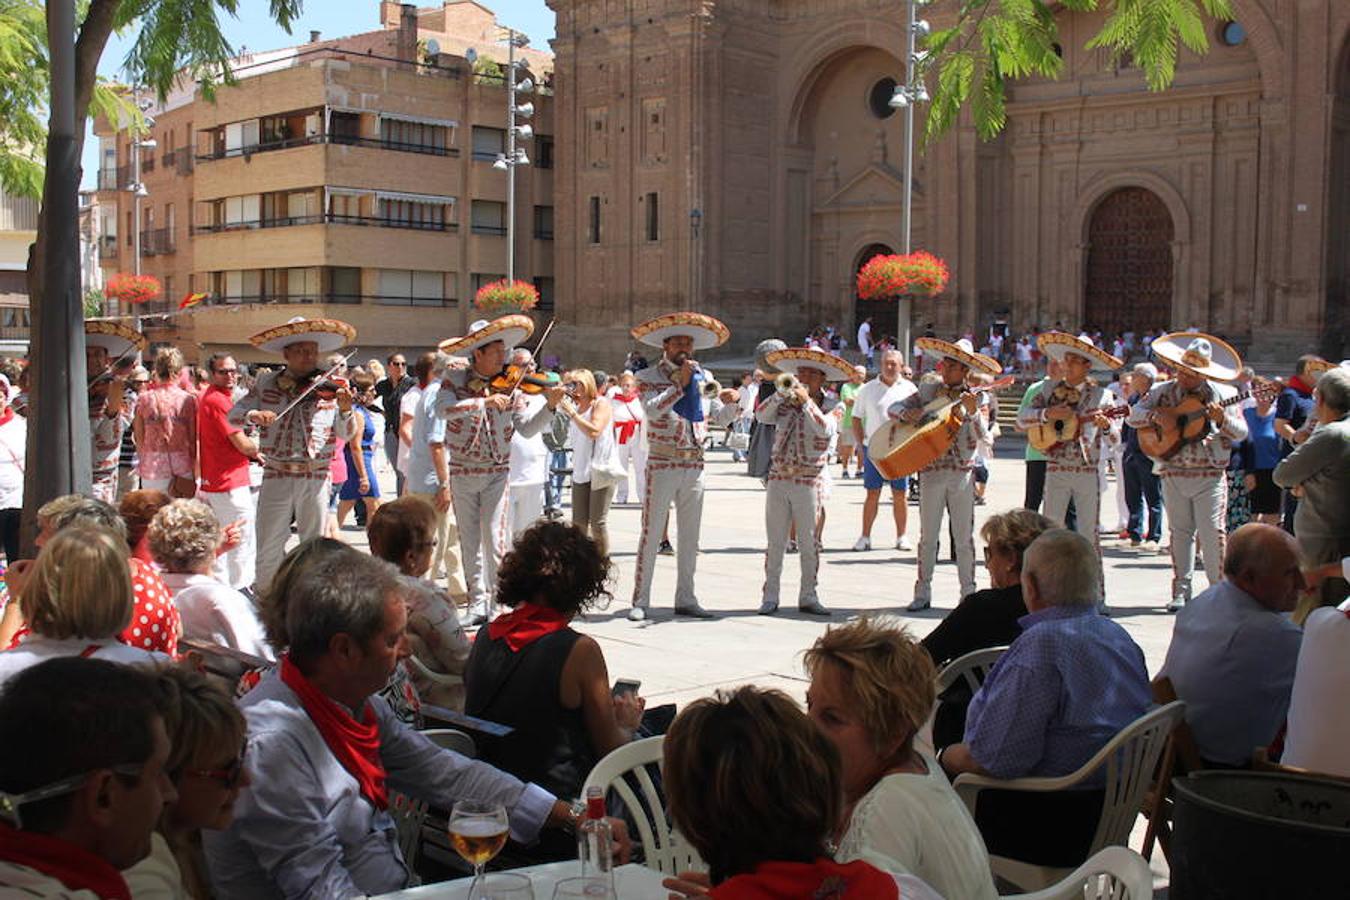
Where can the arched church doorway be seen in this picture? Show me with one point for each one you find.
(885, 314)
(1129, 264)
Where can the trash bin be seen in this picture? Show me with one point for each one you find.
(1259, 836)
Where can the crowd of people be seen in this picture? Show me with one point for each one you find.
(125, 771)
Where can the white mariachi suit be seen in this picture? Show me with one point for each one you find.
(1071, 470)
(1195, 482)
(674, 475)
(795, 489)
(297, 451)
(948, 484)
(478, 451)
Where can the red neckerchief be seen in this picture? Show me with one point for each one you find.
(75, 867)
(823, 879)
(1297, 383)
(526, 624)
(624, 430)
(6, 415)
(355, 744)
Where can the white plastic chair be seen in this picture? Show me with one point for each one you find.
(1115, 873)
(441, 678)
(452, 739)
(410, 814)
(665, 848)
(973, 667)
(1130, 760)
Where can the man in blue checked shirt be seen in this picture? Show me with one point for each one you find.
(1070, 682)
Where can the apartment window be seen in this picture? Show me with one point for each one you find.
(239, 212)
(488, 143)
(401, 287)
(131, 227)
(240, 286)
(543, 151)
(653, 217)
(344, 127)
(241, 136)
(544, 285)
(303, 284)
(543, 223)
(451, 287)
(488, 217)
(478, 279)
(414, 214)
(344, 285)
(593, 220)
(344, 208)
(398, 134)
(168, 296)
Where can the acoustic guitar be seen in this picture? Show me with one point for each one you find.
(1058, 430)
(1188, 422)
(903, 448)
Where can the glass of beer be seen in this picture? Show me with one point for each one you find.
(478, 833)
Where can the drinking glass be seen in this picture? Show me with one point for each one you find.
(477, 832)
(587, 888)
(506, 886)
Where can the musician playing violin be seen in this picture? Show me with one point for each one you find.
(949, 480)
(110, 355)
(304, 417)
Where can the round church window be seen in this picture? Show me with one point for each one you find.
(1233, 33)
(879, 98)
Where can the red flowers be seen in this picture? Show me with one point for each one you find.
(884, 277)
(133, 288)
(503, 295)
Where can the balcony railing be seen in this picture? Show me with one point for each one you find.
(493, 230)
(345, 139)
(157, 241)
(543, 234)
(107, 247)
(349, 299)
(328, 218)
(112, 179)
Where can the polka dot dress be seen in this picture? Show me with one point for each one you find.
(154, 620)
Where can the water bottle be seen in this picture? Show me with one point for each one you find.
(595, 841)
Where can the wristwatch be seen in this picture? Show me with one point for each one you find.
(577, 812)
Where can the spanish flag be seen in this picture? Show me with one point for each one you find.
(191, 300)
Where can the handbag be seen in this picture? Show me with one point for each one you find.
(606, 470)
(739, 441)
(182, 487)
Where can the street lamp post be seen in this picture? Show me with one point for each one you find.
(904, 99)
(138, 192)
(514, 155)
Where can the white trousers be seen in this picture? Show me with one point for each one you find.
(157, 484)
(1197, 505)
(281, 498)
(667, 483)
(952, 492)
(237, 567)
(527, 505)
(632, 455)
(1122, 505)
(480, 512)
(791, 503)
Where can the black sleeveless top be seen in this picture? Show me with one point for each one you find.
(550, 745)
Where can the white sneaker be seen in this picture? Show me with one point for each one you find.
(863, 543)
(903, 544)
(637, 614)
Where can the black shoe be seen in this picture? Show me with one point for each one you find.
(665, 549)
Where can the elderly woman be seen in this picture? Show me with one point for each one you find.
(403, 532)
(531, 670)
(137, 508)
(183, 538)
(76, 601)
(871, 691)
(758, 790)
(592, 442)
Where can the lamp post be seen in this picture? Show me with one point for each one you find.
(514, 156)
(905, 97)
(138, 191)
(695, 223)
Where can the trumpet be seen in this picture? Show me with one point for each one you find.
(710, 387)
(786, 384)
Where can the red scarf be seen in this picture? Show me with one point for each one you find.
(526, 624)
(74, 867)
(626, 430)
(1297, 383)
(355, 744)
(823, 879)
(6, 415)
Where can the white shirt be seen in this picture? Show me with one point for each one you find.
(874, 398)
(215, 612)
(13, 438)
(529, 460)
(407, 406)
(21, 881)
(1319, 716)
(36, 648)
(157, 877)
(865, 338)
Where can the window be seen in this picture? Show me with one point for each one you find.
(344, 127)
(302, 207)
(488, 143)
(653, 217)
(593, 221)
(344, 285)
(344, 208)
(543, 151)
(543, 223)
(488, 217)
(478, 279)
(400, 287)
(241, 212)
(399, 134)
(241, 286)
(241, 136)
(168, 296)
(544, 285)
(303, 285)
(412, 214)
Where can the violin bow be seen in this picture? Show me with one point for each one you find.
(312, 385)
(547, 331)
(112, 365)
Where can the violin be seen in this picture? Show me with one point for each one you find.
(512, 378)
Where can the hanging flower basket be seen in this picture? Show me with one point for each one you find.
(499, 296)
(887, 276)
(133, 289)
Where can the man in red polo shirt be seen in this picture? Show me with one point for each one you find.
(225, 452)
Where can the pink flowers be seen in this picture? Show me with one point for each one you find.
(133, 288)
(884, 277)
(503, 295)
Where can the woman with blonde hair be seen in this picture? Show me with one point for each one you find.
(165, 429)
(592, 441)
(76, 600)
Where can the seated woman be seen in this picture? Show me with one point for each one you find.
(757, 790)
(871, 690)
(206, 765)
(137, 509)
(183, 537)
(531, 670)
(403, 532)
(76, 600)
(986, 618)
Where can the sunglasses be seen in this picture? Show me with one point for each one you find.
(228, 776)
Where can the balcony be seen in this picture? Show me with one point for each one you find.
(113, 179)
(489, 230)
(326, 218)
(344, 139)
(107, 247)
(157, 241)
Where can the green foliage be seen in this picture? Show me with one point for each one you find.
(93, 303)
(995, 41)
(488, 71)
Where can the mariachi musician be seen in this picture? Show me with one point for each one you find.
(109, 352)
(1194, 478)
(801, 447)
(296, 447)
(949, 480)
(482, 415)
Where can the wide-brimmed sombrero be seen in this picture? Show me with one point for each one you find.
(116, 338)
(1200, 354)
(794, 359)
(329, 334)
(510, 330)
(706, 331)
(963, 351)
(1315, 367)
(1057, 344)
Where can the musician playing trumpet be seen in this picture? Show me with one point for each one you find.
(801, 448)
(1194, 478)
(949, 480)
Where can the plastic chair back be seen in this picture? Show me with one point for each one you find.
(973, 668)
(1115, 873)
(1131, 761)
(452, 739)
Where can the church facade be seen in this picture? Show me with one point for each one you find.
(739, 157)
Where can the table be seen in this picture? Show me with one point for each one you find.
(632, 882)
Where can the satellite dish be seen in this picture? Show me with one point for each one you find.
(471, 55)
(434, 47)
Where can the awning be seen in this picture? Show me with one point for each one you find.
(420, 120)
(415, 198)
(348, 192)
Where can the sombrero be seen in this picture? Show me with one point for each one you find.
(962, 351)
(1056, 344)
(706, 331)
(763, 349)
(116, 338)
(794, 359)
(1199, 354)
(1318, 366)
(329, 334)
(510, 330)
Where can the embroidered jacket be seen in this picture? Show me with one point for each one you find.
(1212, 451)
(304, 439)
(669, 435)
(960, 456)
(1085, 451)
(478, 437)
(801, 440)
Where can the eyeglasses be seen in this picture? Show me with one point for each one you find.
(227, 371)
(11, 803)
(228, 776)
